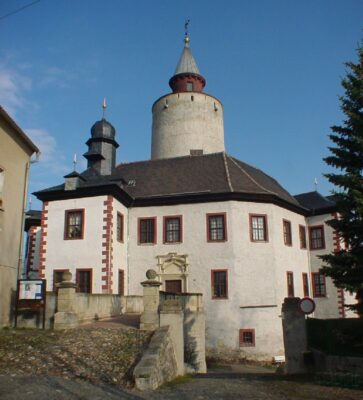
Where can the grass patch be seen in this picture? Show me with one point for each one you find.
(179, 380)
(343, 380)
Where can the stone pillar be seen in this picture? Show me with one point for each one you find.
(295, 337)
(172, 315)
(151, 297)
(66, 317)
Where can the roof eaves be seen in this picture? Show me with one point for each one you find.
(19, 131)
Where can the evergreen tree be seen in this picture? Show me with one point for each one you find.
(345, 266)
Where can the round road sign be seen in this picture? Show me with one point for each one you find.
(307, 305)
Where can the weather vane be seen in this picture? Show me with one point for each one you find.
(186, 38)
(104, 106)
(74, 161)
(316, 184)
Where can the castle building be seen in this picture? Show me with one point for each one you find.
(205, 221)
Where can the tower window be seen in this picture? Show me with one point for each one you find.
(216, 227)
(147, 230)
(120, 227)
(290, 284)
(287, 232)
(84, 280)
(173, 229)
(302, 234)
(74, 224)
(318, 283)
(305, 284)
(258, 228)
(317, 237)
(189, 86)
(219, 284)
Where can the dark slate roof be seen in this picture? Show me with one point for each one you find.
(32, 218)
(316, 203)
(209, 177)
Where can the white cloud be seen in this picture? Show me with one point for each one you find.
(51, 159)
(13, 88)
(55, 76)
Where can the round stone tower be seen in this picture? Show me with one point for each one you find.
(187, 121)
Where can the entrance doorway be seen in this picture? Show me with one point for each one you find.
(173, 286)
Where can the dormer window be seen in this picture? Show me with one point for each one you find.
(189, 86)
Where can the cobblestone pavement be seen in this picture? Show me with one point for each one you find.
(101, 354)
(236, 382)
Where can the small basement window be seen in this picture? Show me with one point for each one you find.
(246, 338)
(196, 152)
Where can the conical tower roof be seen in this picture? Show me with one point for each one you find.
(186, 62)
(187, 77)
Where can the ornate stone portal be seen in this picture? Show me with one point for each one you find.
(173, 267)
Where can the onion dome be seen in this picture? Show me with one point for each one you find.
(187, 77)
(103, 129)
(101, 154)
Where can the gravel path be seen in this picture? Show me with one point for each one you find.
(95, 362)
(96, 354)
(236, 382)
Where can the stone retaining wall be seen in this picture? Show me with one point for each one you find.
(87, 307)
(329, 363)
(133, 305)
(158, 363)
(96, 306)
(31, 319)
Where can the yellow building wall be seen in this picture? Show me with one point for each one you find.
(14, 159)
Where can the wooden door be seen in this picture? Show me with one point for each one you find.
(173, 286)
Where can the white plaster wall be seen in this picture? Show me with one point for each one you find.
(120, 248)
(326, 307)
(256, 271)
(186, 124)
(80, 253)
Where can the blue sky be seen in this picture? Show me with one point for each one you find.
(275, 65)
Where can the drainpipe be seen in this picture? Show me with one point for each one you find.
(23, 208)
(25, 191)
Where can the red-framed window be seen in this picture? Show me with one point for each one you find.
(316, 236)
(247, 338)
(305, 280)
(84, 280)
(74, 224)
(58, 277)
(120, 227)
(318, 284)
(219, 279)
(290, 284)
(286, 226)
(258, 228)
(121, 282)
(147, 230)
(173, 229)
(216, 227)
(302, 237)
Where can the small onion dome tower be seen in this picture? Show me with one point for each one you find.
(101, 154)
(187, 121)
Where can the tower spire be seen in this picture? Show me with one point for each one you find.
(104, 106)
(186, 34)
(187, 77)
